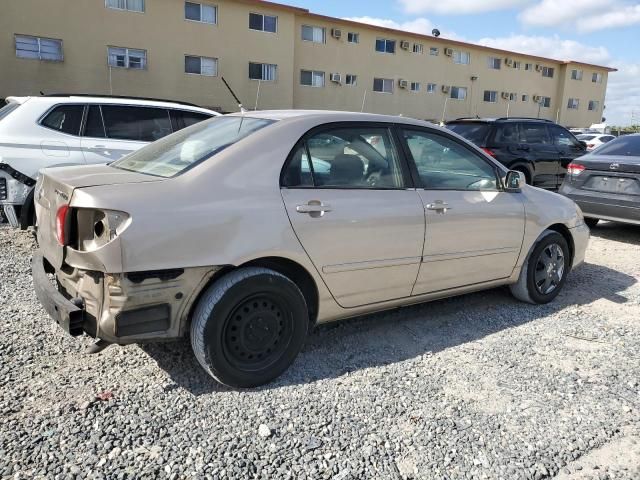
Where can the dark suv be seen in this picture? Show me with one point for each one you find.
(540, 149)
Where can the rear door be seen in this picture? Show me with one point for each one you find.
(474, 230)
(569, 148)
(544, 155)
(59, 137)
(346, 193)
(113, 131)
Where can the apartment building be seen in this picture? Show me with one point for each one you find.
(279, 56)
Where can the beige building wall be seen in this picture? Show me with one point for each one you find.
(87, 28)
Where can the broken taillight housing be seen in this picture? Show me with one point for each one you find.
(97, 227)
(62, 224)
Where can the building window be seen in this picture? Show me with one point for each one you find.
(353, 37)
(314, 34)
(434, 51)
(351, 80)
(594, 105)
(267, 72)
(596, 78)
(431, 87)
(263, 23)
(547, 72)
(385, 46)
(384, 85)
(311, 78)
(517, 64)
(38, 48)
(459, 93)
(513, 97)
(418, 48)
(201, 65)
(494, 63)
(415, 86)
(127, 58)
(545, 102)
(462, 58)
(576, 74)
(525, 98)
(131, 5)
(198, 12)
(528, 67)
(573, 103)
(490, 96)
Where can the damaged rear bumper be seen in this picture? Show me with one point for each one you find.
(120, 308)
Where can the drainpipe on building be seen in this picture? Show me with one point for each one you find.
(444, 110)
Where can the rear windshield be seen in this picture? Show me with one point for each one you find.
(7, 109)
(585, 137)
(176, 153)
(474, 132)
(628, 146)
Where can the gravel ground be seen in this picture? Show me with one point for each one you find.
(479, 386)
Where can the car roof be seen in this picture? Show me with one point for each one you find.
(501, 119)
(108, 100)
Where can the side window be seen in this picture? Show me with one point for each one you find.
(562, 137)
(94, 127)
(65, 119)
(606, 139)
(183, 118)
(444, 164)
(347, 157)
(534, 133)
(508, 133)
(141, 124)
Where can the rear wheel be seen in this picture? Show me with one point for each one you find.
(591, 222)
(545, 272)
(249, 326)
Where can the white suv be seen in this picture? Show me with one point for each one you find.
(58, 130)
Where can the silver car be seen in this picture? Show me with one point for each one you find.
(245, 231)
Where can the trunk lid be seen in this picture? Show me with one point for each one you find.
(613, 174)
(54, 190)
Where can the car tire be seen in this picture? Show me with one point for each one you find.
(591, 222)
(544, 273)
(249, 326)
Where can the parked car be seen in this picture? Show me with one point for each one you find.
(538, 148)
(227, 231)
(606, 182)
(594, 140)
(55, 130)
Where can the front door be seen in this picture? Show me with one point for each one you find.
(542, 152)
(345, 191)
(474, 230)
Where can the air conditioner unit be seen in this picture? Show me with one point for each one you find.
(336, 33)
(448, 52)
(505, 95)
(404, 45)
(538, 67)
(508, 62)
(336, 77)
(403, 84)
(445, 88)
(537, 98)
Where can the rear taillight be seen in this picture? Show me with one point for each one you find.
(575, 169)
(61, 224)
(489, 152)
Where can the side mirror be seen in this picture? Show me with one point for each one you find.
(514, 181)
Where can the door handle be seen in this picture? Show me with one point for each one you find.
(439, 206)
(314, 208)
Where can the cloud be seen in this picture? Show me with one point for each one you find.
(422, 26)
(458, 7)
(623, 95)
(582, 15)
(552, 47)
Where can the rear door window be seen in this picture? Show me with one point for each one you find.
(508, 133)
(184, 118)
(140, 124)
(562, 137)
(472, 131)
(94, 126)
(65, 119)
(535, 134)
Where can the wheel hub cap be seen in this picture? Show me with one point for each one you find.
(549, 269)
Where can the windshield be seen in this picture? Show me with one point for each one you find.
(628, 146)
(176, 153)
(7, 109)
(474, 132)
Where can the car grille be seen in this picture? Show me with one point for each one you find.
(3, 188)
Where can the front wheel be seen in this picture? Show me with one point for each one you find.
(249, 326)
(545, 272)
